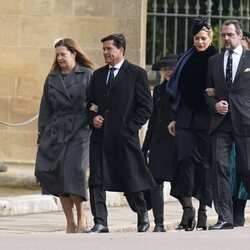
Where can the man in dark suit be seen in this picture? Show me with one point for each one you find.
(118, 109)
(229, 75)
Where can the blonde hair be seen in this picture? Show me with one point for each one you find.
(73, 47)
(209, 31)
(163, 78)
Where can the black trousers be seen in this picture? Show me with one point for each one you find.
(222, 141)
(98, 196)
(98, 205)
(99, 209)
(137, 202)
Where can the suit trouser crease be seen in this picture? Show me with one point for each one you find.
(222, 141)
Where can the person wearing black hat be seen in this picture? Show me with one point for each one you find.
(245, 40)
(158, 140)
(190, 124)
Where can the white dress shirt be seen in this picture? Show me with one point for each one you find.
(237, 52)
(117, 68)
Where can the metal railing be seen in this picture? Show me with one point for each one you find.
(169, 23)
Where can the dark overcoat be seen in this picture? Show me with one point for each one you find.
(116, 160)
(158, 141)
(62, 156)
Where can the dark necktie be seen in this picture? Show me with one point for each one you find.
(111, 75)
(229, 69)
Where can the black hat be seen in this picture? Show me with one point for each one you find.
(198, 24)
(168, 61)
(246, 34)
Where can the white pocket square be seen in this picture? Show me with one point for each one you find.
(247, 70)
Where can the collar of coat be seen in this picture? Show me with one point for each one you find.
(79, 68)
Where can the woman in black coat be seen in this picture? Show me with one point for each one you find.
(158, 144)
(63, 141)
(190, 123)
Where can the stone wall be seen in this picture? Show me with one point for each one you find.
(28, 29)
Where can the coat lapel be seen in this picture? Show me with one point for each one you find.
(121, 74)
(103, 78)
(71, 80)
(240, 66)
(58, 84)
(221, 69)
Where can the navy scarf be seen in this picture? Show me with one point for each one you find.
(173, 83)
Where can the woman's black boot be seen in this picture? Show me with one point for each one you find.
(202, 220)
(188, 219)
(158, 207)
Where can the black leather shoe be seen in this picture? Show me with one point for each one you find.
(143, 222)
(159, 228)
(99, 228)
(221, 225)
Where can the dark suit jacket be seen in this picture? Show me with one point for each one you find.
(126, 105)
(238, 96)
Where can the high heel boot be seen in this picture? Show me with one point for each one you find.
(202, 220)
(158, 207)
(188, 219)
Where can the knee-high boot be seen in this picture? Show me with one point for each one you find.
(158, 207)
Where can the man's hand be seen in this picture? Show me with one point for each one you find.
(221, 107)
(171, 128)
(98, 121)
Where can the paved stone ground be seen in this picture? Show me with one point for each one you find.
(34, 213)
(121, 219)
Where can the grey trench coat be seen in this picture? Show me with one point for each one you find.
(62, 156)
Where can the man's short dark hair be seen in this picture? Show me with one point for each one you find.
(118, 39)
(236, 23)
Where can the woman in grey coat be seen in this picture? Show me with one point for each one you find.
(63, 132)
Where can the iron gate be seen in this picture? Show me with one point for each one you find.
(169, 23)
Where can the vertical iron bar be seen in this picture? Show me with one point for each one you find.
(165, 7)
(186, 25)
(175, 25)
(220, 23)
(154, 30)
